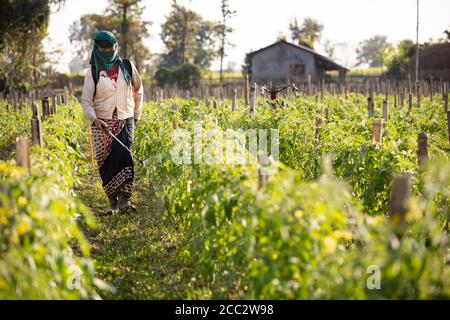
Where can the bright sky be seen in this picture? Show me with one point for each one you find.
(258, 22)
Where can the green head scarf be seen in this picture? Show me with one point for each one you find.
(105, 60)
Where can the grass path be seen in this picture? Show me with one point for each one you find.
(135, 252)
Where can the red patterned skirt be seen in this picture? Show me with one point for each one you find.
(115, 164)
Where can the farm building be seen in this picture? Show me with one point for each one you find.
(283, 60)
(434, 61)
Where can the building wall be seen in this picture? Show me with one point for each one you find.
(283, 62)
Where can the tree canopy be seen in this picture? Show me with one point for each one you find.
(309, 32)
(24, 25)
(124, 19)
(373, 51)
(188, 38)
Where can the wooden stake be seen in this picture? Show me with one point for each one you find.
(422, 152)
(409, 101)
(66, 95)
(45, 107)
(385, 110)
(418, 95)
(263, 176)
(233, 100)
(400, 193)
(319, 122)
(446, 102)
(54, 102)
(23, 153)
(246, 90)
(252, 98)
(15, 102)
(377, 131)
(370, 107)
(36, 135)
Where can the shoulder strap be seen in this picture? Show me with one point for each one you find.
(127, 64)
(94, 77)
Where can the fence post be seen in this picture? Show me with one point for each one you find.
(66, 95)
(54, 102)
(233, 100)
(246, 90)
(422, 152)
(409, 101)
(418, 95)
(45, 107)
(23, 153)
(385, 110)
(446, 101)
(369, 107)
(15, 101)
(252, 98)
(36, 135)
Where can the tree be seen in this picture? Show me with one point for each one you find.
(223, 31)
(179, 33)
(187, 38)
(24, 25)
(306, 34)
(447, 34)
(330, 48)
(205, 42)
(399, 61)
(124, 19)
(373, 51)
(246, 68)
(185, 76)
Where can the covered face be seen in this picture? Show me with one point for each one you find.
(106, 47)
(105, 54)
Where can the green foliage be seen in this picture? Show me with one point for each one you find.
(188, 38)
(24, 25)
(306, 34)
(164, 76)
(398, 63)
(373, 51)
(43, 253)
(185, 76)
(124, 19)
(315, 232)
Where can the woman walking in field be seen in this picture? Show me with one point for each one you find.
(112, 100)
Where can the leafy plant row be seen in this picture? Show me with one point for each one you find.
(43, 252)
(320, 228)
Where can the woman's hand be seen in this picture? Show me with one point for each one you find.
(100, 124)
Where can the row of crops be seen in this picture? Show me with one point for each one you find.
(320, 225)
(43, 252)
(319, 228)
